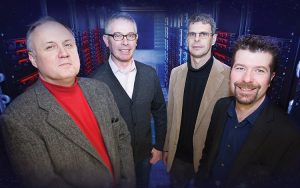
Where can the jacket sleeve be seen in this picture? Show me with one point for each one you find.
(126, 155)
(170, 109)
(290, 164)
(159, 113)
(28, 154)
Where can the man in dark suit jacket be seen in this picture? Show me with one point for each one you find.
(250, 142)
(65, 131)
(137, 92)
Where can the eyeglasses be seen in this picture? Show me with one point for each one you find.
(119, 36)
(202, 35)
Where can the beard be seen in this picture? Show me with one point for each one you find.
(246, 93)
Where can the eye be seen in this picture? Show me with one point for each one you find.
(192, 34)
(69, 45)
(203, 34)
(118, 35)
(261, 71)
(239, 68)
(131, 36)
(50, 47)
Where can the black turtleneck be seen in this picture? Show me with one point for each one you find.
(193, 91)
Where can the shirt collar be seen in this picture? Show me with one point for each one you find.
(116, 69)
(252, 117)
(207, 64)
(62, 90)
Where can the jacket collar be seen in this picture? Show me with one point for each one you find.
(62, 122)
(213, 84)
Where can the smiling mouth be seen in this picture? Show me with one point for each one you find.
(246, 87)
(125, 51)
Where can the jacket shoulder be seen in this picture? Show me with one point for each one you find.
(24, 99)
(143, 67)
(225, 67)
(182, 66)
(222, 102)
(23, 108)
(283, 120)
(100, 71)
(93, 84)
(179, 68)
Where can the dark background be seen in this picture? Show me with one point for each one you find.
(162, 28)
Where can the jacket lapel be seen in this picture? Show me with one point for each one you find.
(178, 95)
(214, 81)
(256, 137)
(140, 79)
(99, 107)
(61, 121)
(217, 131)
(137, 81)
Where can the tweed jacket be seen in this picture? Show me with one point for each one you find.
(147, 99)
(217, 86)
(270, 156)
(47, 149)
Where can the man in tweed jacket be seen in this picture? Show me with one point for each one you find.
(49, 141)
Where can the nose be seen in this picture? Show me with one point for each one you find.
(197, 37)
(62, 53)
(125, 41)
(248, 77)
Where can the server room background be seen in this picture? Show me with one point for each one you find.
(162, 29)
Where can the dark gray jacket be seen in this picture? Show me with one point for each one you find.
(147, 99)
(47, 148)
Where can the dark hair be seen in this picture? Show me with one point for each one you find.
(205, 19)
(255, 43)
(37, 23)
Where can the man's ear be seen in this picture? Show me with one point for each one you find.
(136, 40)
(105, 39)
(214, 38)
(32, 59)
(273, 75)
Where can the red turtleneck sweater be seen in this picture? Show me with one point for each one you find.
(75, 104)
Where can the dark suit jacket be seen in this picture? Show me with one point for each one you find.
(47, 148)
(270, 156)
(147, 99)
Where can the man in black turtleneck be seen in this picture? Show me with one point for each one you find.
(194, 88)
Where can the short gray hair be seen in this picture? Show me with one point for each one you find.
(38, 23)
(205, 19)
(117, 16)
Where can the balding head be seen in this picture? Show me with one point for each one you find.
(38, 23)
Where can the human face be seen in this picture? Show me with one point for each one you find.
(250, 77)
(200, 47)
(54, 54)
(121, 51)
